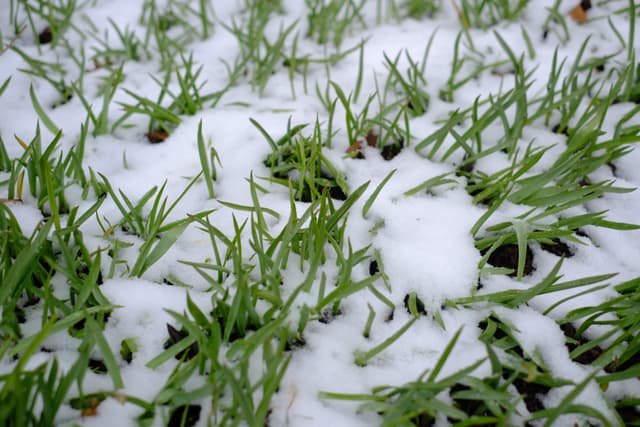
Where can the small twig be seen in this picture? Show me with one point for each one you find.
(13, 40)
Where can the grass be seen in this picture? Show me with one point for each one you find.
(269, 285)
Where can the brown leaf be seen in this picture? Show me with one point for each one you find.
(92, 408)
(156, 136)
(372, 138)
(355, 150)
(579, 14)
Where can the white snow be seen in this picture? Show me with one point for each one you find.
(423, 240)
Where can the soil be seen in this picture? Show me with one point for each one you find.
(176, 336)
(127, 356)
(465, 167)
(630, 415)
(295, 342)
(574, 341)
(327, 315)
(472, 182)
(189, 413)
(423, 420)
(78, 328)
(506, 256)
(530, 393)
(373, 267)
(83, 271)
(631, 362)
(389, 151)
(562, 131)
(336, 193)
(559, 248)
(97, 366)
(500, 334)
(468, 406)
(45, 36)
(419, 305)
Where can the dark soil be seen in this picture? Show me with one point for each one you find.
(336, 193)
(581, 233)
(294, 342)
(168, 282)
(98, 366)
(389, 317)
(77, 329)
(531, 393)
(574, 341)
(559, 248)
(465, 168)
(373, 267)
(390, 151)
(176, 336)
(419, 305)
(473, 190)
(468, 406)
(423, 420)
(189, 413)
(220, 314)
(506, 256)
(631, 362)
(630, 415)
(45, 36)
(83, 272)
(508, 343)
(328, 315)
(499, 333)
(590, 356)
(560, 130)
(127, 356)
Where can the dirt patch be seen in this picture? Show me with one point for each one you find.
(575, 341)
(558, 247)
(506, 256)
(176, 336)
(184, 416)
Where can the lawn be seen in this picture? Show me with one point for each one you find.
(319, 212)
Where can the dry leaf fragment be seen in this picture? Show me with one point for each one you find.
(92, 408)
(156, 136)
(372, 138)
(355, 150)
(121, 398)
(579, 13)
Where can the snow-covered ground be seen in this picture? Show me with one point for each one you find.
(412, 243)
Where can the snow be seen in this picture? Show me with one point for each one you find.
(423, 240)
